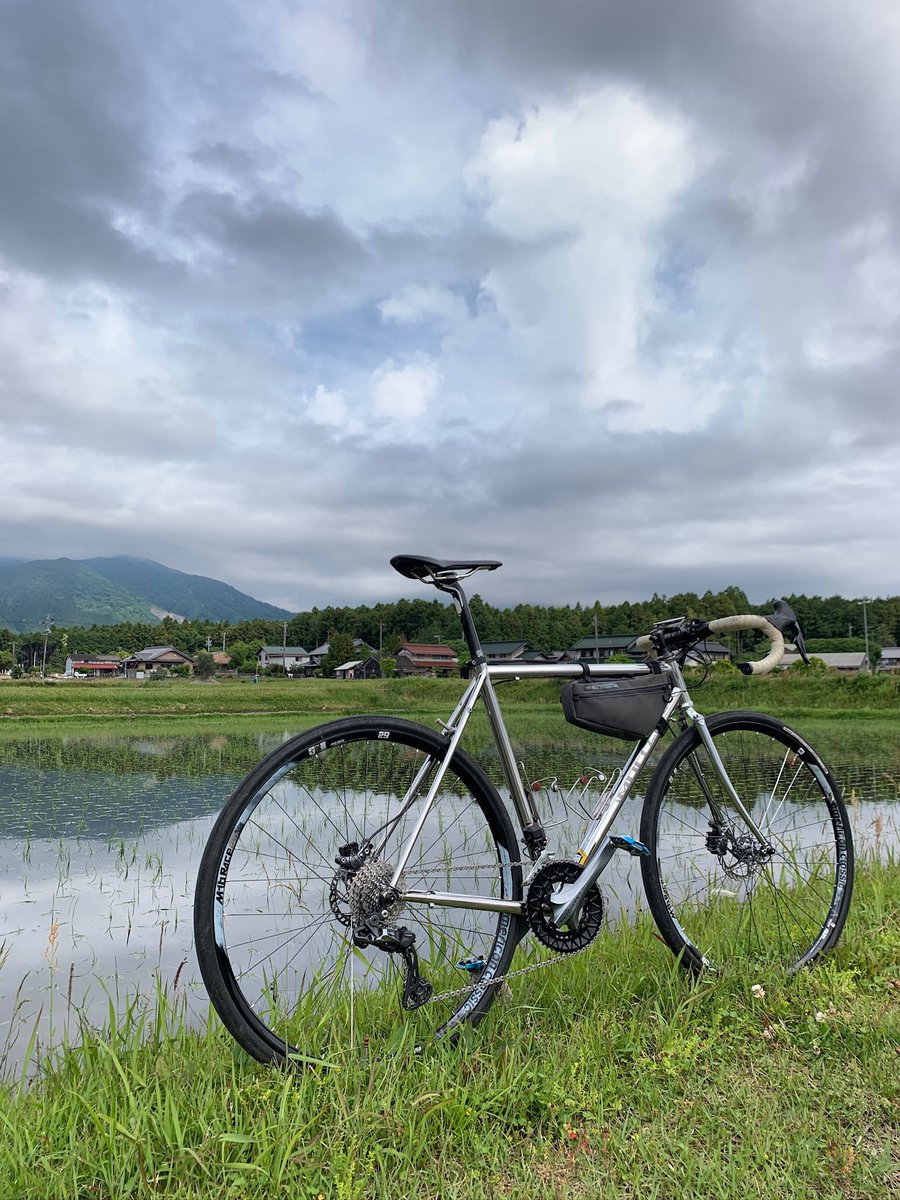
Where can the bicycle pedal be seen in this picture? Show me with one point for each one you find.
(632, 845)
(475, 966)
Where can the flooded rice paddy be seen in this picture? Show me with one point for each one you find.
(101, 838)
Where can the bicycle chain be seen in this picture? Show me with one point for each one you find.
(501, 979)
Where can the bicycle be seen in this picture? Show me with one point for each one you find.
(372, 856)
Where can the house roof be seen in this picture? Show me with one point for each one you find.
(348, 666)
(502, 647)
(545, 656)
(321, 651)
(845, 660)
(710, 648)
(616, 641)
(296, 650)
(890, 652)
(428, 650)
(151, 653)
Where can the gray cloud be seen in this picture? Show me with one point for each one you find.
(637, 382)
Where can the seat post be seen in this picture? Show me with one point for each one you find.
(454, 589)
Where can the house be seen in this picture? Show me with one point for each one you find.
(97, 665)
(316, 656)
(425, 658)
(501, 652)
(364, 668)
(845, 662)
(289, 658)
(705, 652)
(890, 659)
(597, 648)
(548, 656)
(155, 658)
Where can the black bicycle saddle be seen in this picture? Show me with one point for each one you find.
(420, 566)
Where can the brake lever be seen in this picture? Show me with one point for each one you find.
(785, 620)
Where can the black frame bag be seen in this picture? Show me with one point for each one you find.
(628, 708)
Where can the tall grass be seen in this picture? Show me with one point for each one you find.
(612, 1075)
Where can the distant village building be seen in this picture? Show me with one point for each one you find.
(846, 662)
(596, 649)
(96, 665)
(502, 652)
(889, 660)
(316, 655)
(705, 652)
(156, 657)
(366, 668)
(425, 658)
(288, 658)
(548, 656)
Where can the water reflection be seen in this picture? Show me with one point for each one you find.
(102, 836)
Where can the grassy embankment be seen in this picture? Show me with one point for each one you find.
(613, 1075)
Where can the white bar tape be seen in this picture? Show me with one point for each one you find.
(731, 625)
(750, 621)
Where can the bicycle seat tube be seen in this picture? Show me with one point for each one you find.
(522, 800)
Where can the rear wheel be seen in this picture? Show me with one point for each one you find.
(275, 913)
(718, 896)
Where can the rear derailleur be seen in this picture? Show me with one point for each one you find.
(399, 940)
(362, 886)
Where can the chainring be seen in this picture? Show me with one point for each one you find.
(539, 909)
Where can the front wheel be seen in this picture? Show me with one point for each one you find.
(275, 910)
(719, 897)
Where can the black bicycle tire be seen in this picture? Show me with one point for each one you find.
(690, 956)
(236, 1014)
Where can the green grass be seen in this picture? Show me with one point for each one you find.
(90, 701)
(613, 1075)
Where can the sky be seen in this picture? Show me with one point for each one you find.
(609, 292)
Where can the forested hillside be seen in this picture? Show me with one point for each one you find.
(108, 591)
(423, 620)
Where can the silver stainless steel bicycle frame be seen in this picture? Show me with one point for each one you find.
(597, 849)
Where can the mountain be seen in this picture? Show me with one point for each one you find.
(106, 591)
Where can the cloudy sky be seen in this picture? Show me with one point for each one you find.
(608, 291)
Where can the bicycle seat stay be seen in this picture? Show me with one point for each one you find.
(427, 568)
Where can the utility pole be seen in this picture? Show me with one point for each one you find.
(866, 600)
(48, 625)
(284, 625)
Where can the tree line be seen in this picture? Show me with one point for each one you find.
(384, 626)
